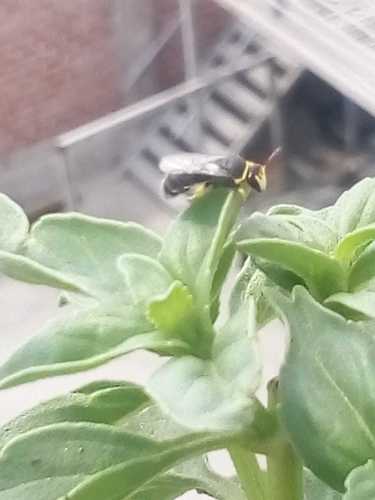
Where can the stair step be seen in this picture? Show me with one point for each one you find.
(227, 122)
(245, 80)
(227, 103)
(212, 146)
(150, 156)
(238, 43)
(242, 97)
(164, 143)
(260, 76)
(210, 129)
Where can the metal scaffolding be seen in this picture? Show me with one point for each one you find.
(335, 39)
(197, 79)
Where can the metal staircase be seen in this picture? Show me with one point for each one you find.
(221, 119)
(222, 107)
(335, 39)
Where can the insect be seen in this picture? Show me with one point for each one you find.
(193, 172)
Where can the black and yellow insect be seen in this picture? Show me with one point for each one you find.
(193, 172)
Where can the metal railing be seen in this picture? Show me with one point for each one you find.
(319, 44)
(148, 105)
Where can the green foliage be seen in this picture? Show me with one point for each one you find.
(126, 289)
(74, 439)
(317, 490)
(215, 393)
(328, 250)
(360, 484)
(14, 225)
(331, 421)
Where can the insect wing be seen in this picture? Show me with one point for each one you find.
(191, 163)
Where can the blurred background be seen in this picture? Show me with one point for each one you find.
(93, 93)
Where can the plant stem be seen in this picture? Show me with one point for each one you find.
(249, 472)
(284, 473)
(284, 467)
(228, 216)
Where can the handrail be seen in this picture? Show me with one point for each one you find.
(153, 103)
(295, 39)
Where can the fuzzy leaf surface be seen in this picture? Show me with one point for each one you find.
(14, 225)
(326, 387)
(322, 274)
(84, 339)
(215, 393)
(360, 484)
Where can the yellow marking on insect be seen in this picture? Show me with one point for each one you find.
(245, 173)
(261, 178)
(260, 175)
(200, 190)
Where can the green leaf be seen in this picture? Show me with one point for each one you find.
(168, 487)
(175, 316)
(360, 483)
(239, 291)
(221, 273)
(356, 305)
(354, 209)
(216, 393)
(195, 242)
(317, 490)
(194, 474)
(290, 209)
(46, 463)
(278, 275)
(24, 269)
(347, 247)
(322, 274)
(363, 269)
(144, 277)
(127, 478)
(86, 460)
(13, 225)
(251, 282)
(100, 402)
(84, 339)
(154, 423)
(302, 227)
(80, 251)
(109, 402)
(326, 387)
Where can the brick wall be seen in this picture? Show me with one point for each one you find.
(58, 67)
(209, 20)
(66, 62)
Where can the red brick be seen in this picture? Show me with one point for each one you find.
(58, 67)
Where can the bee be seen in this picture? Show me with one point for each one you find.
(194, 172)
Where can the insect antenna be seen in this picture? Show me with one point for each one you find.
(275, 154)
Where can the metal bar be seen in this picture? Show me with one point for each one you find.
(309, 17)
(350, 20)
(275, 119)
(190, 61)
(156, 47)
(327, 57)
(153, 103)
(338, 39)
(188, 39)
(66, 181)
